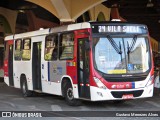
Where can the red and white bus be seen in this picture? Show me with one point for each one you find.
(93, 61)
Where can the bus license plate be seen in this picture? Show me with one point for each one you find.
(129, 96)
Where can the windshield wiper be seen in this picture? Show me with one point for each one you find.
(115, 46)
(130, 47)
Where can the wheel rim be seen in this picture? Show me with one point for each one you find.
(70, 93)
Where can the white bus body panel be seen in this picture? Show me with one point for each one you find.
(71, 27)
(50, 80)
(51, 87)
(23, 67)
(79, 26)
(32, 34)
(99, 94)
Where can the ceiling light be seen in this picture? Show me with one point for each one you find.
(150, 4)
(21, 11)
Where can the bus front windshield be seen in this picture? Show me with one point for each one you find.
(121, 55)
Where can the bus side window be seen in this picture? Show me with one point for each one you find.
(26, 52)
(51, 44)
(18, 52)
(66, 46)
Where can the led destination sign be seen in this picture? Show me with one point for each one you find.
(128, 29)
(118, 29)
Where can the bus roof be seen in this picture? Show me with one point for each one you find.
(71, 27)
(10, 37)
(50, 30)
(116, 23)
(32, 33)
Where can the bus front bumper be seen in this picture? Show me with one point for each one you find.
(99, 94)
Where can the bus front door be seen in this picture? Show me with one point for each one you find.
(36, 66)
(83, 69)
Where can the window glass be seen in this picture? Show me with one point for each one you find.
(18, 53)
(66, 46)
(51, 50)
(26, 52)
(121, 55)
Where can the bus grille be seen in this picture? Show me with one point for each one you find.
(125, 79)
(119, 94)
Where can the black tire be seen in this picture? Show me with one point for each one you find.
(69, 97)
(24, 88)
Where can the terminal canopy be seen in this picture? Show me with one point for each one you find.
(67, 10)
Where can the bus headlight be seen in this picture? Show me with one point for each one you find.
(150, 81)
(99, 83)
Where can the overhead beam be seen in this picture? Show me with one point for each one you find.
(67, 10)
(63, 13)
(80, 6)
(46, 4)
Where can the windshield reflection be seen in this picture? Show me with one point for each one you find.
(119, 55)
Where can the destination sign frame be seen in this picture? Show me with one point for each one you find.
(128, 29)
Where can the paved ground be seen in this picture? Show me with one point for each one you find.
(12, 100)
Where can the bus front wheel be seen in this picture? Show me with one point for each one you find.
(24, 88)
(69, 97)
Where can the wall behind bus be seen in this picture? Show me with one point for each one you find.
(36, 23)
(10, 16)
(95, 11)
